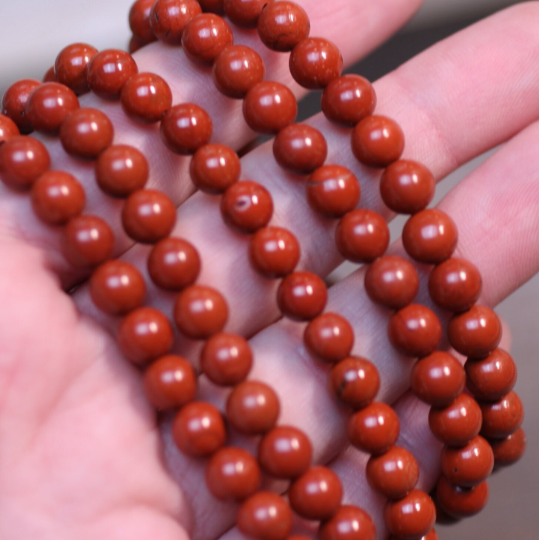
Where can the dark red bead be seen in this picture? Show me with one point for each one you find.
(108, 71)
(411, 517)
(244, 12)
(274, 252)
(348, 523)
(146, 97)
(205, 37)
(214, 168)
(169, 17)
(14, 103)
(461, 502)
(503, 417)
(71, 66)
(302, 296)
(355, 381)
(8, 129)
(139, 21)
(509, 450)
(329, 337)
(265, 516)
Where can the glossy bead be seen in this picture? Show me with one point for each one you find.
(415, 330)
(407, 187)
(22, 161)
(509, 450)
(246, 206)
(205, 37)
(173, 264)
(432, 535)
(120, 170)
(71, 66)
(169, 17)
(212, 6)
(226, 359)
(503, 417)
(282, 25)
(146, 97)
(348, 99)
(317, 494)
(476, 332)
(438, 379)
(458, 423)
(253, 408)
(8, 129)
(333, 191)
(244, 12)
(170, 382)
(300, 148)
(492, 377)
(285, 452)
(108, 71)
(48, 105)
(49, 76)
(411, 517)
(85, 133)
(348, 523)
(329, 337)
(139, 21)
(374, 429)
(274, 252)
(355, 381)
(14, 103)
(302, 296)
(392, 282)
(377, 141)
(362, 236)
(468, 465)
(461, 502)
(88, 241)
(200, 312)
(185, 128)
(214, 168)
(198, 429)
(236, 70)
(269, 106)
(57, 197)
(393, 474)
(232, 474)
(430, 236)
(265, 516)
(117, 287)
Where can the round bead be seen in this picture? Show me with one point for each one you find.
(120, 170)
(244, 12)
(476, 332)
(468, 465)
(253, 408)
(393, 474)
(285, 452)
(355, 382)
(415, 330)
(48, 105)
(348, 523)
(411, 517)
(374, 429)
(438, 379)
(246, 206)
(22, 161)
(407, 187)
(317, 494)
(198, 429)
(461, 502)
(392, 282)
(146, 97)
(458, 423)
(282, 25)
(236, 70)
(205, 37)
(265, 516)
(57, 197)
(88, 241)
(214, 168)
(173, 264)
(170, 382)
(348, 99)
(185, 128)
(503, 417)
(232, 474)
(169, 17)
(200, 312)
(14, 103)
(117, 287)
(430, 236)
(71, 66)
(269, 106)
(212, 6)
(85, 133)
(329, 337)
(362, 236)
(377, 141)
(139, 21)
(50, 76)
(226, 359)
(274, 252)
(8, 129)
(332, 191)
(108, 71)
(509, 450)
(302, 296)
(300, 148)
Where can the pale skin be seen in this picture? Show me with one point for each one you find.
(81, 453)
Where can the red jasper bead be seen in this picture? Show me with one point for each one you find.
(108, 71)
(302, 296)
(88, 241)
(212, 6)
(461, 502)
(265, 516)
(170, 382)
(355, 381)
(244, 12)
(8, 129)
(503, 417)
(205, 37)
(348, 523)
(14, 103)
(509, 450)
(146, 97)
(50, 76)
(139, 21)
(411, 517)
(169, 17)
(71, 66)
(274, 252)
(214, 168)
(432, 535)
(329, 337)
